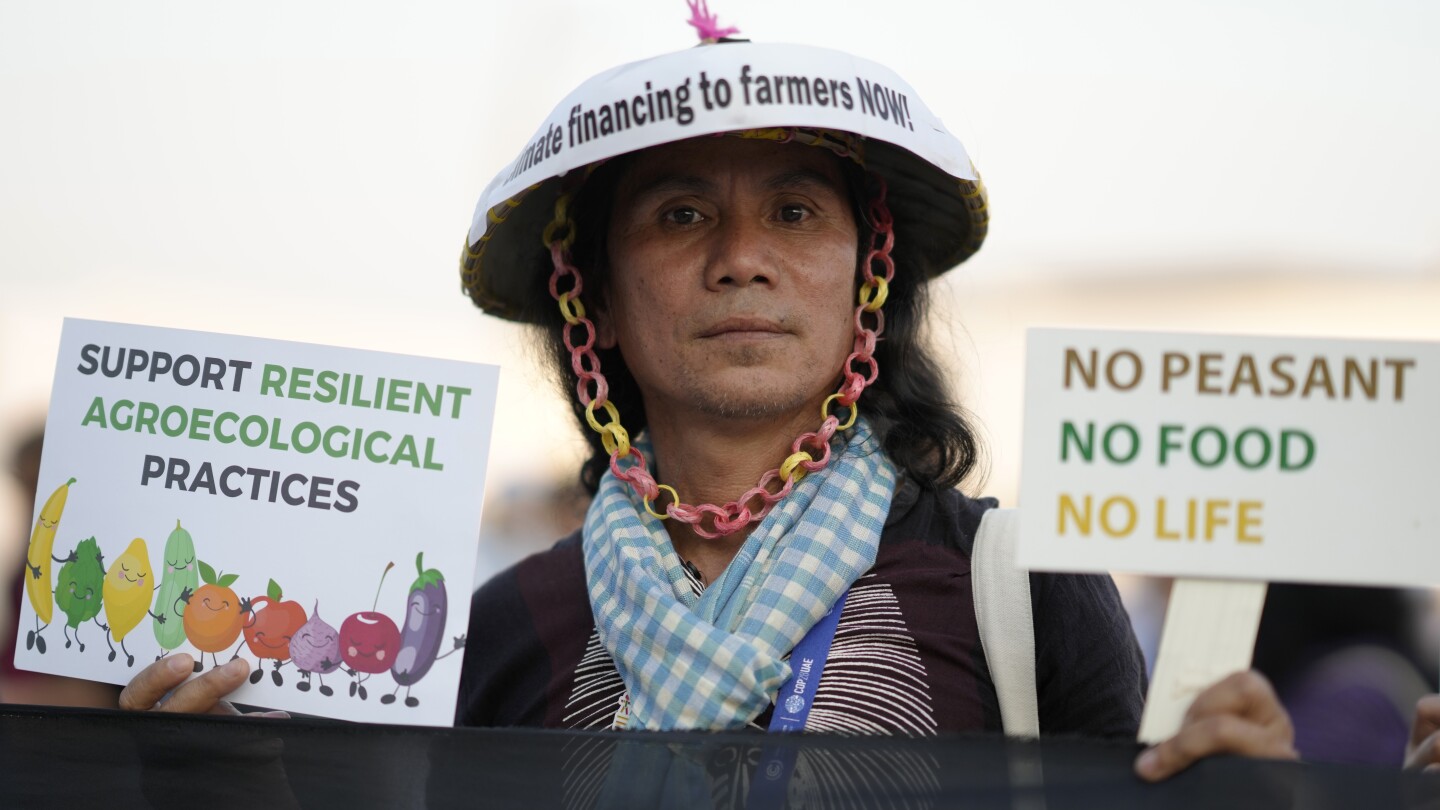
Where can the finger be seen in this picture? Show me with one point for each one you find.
(1425, 754)
(1245, 694)
(1427, 719)
(154, 681)
(1219, 734)
(204, 693)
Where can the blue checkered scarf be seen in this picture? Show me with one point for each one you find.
(716, 661)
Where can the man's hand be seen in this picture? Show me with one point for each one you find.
(1238, 715)
(1424, 748)
(161, 687)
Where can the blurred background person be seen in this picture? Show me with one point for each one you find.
(1346, 663)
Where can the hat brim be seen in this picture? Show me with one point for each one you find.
(936, 197)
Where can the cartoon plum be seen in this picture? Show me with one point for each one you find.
(315, 648)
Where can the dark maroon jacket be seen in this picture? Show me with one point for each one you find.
(906, 657)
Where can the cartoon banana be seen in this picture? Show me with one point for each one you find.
(129, 587)
(37, 561)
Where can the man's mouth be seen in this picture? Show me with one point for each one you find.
(744, 329)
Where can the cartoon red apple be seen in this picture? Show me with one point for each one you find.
(369, 641)
(272, 623)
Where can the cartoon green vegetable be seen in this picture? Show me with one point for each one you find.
(79, 587)
(179, 575)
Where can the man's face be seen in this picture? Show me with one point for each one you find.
(732, 286)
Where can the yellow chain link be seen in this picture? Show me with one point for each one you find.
(609, 410)
(791, 470)
(825, 412)
(876, 287)
(571, 308)
(561, 219)
(548, 236)
(615, 439)
(674, 498)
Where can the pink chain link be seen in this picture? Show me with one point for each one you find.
(809, 452)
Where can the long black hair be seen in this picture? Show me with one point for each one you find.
(925, 432)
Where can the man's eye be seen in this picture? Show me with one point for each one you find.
(683, 216)
(792, 213)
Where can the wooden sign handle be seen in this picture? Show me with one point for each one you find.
(1209, 632)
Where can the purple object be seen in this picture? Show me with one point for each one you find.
(315, 647)
(423, 625)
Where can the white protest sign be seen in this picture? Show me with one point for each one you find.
(722, 88)
(1237, 459)
(189, 476)
(1261, 458)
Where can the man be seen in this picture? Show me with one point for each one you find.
(738, 316)
(728, 295)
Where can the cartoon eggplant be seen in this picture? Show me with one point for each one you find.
(423, 631)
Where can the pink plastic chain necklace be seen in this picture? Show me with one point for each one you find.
(757, 501)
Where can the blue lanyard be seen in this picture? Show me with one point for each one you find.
(807, 662)
(792, 708)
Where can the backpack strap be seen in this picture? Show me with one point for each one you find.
(1007, 628)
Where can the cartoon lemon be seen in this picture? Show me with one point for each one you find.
(129, 586)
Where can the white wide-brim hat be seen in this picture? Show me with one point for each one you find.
(934, 193)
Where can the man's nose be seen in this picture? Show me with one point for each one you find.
(741, 255)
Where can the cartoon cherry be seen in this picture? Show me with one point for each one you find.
(368, 641)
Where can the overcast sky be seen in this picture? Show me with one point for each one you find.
(307, 170)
